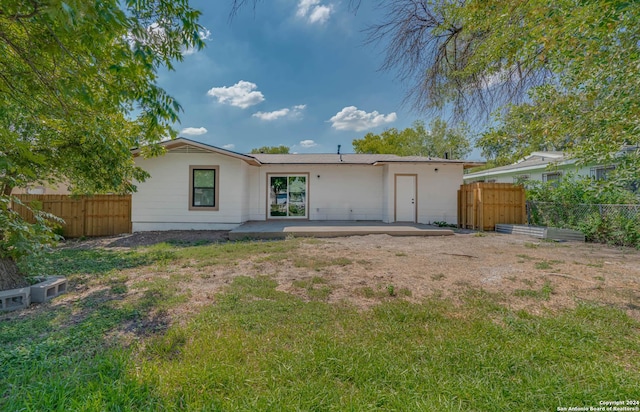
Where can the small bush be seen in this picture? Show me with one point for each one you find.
(443, 224)
(588, 206)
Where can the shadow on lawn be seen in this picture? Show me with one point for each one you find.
(71, 356)
(66, 262)
(173, 237)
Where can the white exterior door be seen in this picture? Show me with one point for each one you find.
(406, 200)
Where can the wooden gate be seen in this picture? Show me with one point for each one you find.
(99, 215)
(483, 205)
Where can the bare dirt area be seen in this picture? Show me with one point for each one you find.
(518, 271)
(522, 272)
(199, 237)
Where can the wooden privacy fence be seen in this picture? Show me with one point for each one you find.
(100, 215)
(483, 205)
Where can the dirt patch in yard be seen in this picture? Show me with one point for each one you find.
(184, 237)
(520, 272)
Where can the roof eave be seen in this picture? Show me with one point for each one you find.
(465, 164)
(181, 141)
(315, 163)
(493, 172)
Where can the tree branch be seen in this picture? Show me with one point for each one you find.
(17, 16)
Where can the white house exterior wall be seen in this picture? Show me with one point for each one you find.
(162, 201)
(336, 192)
(437, 194)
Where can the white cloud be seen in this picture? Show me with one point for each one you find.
(314, 12)
(229, 146)
(193, 131)
(154, 36)
(242, 94)
(304, 6)
(204, 34)
(268, 116)
(350, 118)
(320, 14)
(308, 143)
(294, 112)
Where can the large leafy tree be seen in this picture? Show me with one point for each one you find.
(282, 149)
(521, 131)
(438, 140)
(561, 74)
(77, 91)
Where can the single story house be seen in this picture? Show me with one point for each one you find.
(198, 186)
(541, 166)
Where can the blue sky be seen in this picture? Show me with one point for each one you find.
(291, 72)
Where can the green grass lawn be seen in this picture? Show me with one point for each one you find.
(258, 348)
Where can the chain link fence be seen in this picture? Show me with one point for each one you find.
(614, 224)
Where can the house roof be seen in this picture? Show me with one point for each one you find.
(183, 145)
(346, 158)
(316, 158)
(535, 161)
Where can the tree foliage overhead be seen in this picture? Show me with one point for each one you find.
(78, 87)
(522, 130)
(573, 63)
(282, 149)
(78, 91)
(438, 140)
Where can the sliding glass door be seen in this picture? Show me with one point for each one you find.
(288, 196)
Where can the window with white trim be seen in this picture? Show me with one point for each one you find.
(551, 176)
(288, 195)
(601, 172)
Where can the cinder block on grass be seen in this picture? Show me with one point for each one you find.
(15, 299)
(49, 289)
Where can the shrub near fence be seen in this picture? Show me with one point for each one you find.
(99, 215)
(613, 224)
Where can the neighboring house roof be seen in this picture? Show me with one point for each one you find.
(535, 161)
(183, 145)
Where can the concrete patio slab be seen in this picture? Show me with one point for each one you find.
(281, 229)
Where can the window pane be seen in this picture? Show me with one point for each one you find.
(552, 177)
(204, 178)
(297, 209)
(278, 196)
(297, 195)
(203, 197)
